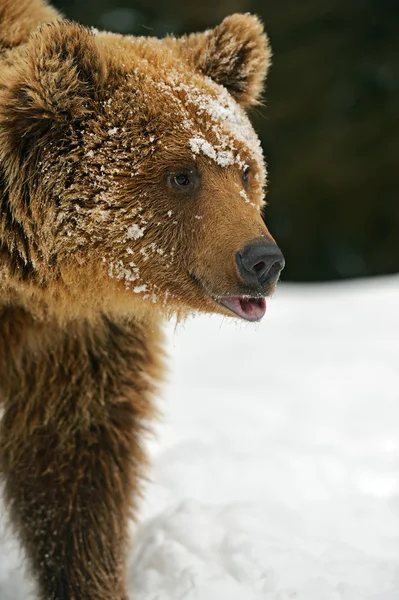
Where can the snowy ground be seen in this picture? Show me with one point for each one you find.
(276, 469)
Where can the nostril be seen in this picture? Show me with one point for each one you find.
(260, 267)
(275, 269)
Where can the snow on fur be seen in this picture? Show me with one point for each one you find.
(222, 118)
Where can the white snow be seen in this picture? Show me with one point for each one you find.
(244, 195)
(230, 121)
(276, 467)
(135, 232)
(222, 157)
(139, 288)
(218, 124)
(119, 271)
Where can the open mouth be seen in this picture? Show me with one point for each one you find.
(250, 309)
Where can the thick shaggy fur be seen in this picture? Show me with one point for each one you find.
(96, 248)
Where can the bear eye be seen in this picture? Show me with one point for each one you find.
(245, 175)
(183, 180)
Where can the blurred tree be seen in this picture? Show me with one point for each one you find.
(330, 128)
(332, 135)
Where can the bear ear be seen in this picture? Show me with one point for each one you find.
(53, 81)
(236, 54)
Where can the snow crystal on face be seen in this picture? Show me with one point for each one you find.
(112, 131)
(243, 194)
(140, 288)
(119, 271)
(152, 297)
(242, 163)
(135, 232)
(222, 157)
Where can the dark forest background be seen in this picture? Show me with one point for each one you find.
(330, 128)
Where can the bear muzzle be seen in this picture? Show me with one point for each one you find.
(260, 264)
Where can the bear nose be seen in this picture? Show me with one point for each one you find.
(260, 263)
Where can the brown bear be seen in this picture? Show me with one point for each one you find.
(131, 190)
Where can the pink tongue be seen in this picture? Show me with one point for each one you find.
(251, 309)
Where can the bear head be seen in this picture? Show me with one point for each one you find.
(132, 177)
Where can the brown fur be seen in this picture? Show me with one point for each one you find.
(95, 248)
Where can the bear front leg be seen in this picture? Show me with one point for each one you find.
(71, 458)
(70, 503)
